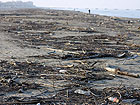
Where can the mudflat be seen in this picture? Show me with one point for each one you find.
(61, 57)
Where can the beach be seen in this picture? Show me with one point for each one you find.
(46, 55)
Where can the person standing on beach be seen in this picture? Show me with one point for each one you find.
(89, 11)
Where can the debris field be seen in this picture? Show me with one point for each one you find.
(68, 57)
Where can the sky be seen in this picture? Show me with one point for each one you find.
(110, 4)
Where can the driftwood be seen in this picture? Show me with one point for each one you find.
(118, 71)
(66, 66)
(91, 55)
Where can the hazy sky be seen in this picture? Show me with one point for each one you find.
(114, 4)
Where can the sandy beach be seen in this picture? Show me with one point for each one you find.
(46, 55)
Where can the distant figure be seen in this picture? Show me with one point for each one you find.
(89, 11)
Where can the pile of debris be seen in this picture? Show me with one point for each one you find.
(32, 82)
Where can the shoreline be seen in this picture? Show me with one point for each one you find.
(104, 12)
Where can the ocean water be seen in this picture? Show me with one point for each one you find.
(116, 12)
(135, 13)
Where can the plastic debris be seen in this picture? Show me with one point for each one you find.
(113, 99)
(62, 71)
(79, 91)
(121, 55)
(38, 104)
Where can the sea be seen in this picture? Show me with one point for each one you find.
(130, 13)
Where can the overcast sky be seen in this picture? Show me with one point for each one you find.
(111, 4)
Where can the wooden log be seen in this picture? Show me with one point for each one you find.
(118, 71)
(128, 74)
